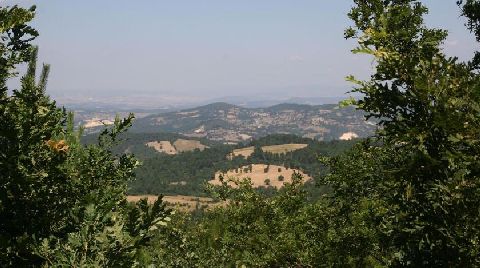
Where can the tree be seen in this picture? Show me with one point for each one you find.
(61, 203)
(417, 186)
(15, 36)
(471, 10)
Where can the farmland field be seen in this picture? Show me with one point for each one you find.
(283, 148)
(245, 152)
(180, 202)
(179, 146)
(188, 145)
(274, 149)
(162, 147)
(261, 175)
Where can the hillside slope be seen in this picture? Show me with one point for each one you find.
(229, 123)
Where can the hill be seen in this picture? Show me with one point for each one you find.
(233, 124)
(260, 175)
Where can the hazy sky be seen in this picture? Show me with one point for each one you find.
(210, 48)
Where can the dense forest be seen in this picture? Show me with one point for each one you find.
(407, 197)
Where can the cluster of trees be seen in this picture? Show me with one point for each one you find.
(409, 197)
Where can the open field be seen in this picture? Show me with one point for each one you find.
(245, 152)
(348, 136)
(179, 202)
(261, 175)
(188, 145)
(162, 147)
(178, 146)
(283, 148)
(274, 149)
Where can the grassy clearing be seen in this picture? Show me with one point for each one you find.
(274, 149)
(179, 202)
(178, 146)
(283, 148)
(188, 145)
(162, 147)
(245, 152)
(261, 175)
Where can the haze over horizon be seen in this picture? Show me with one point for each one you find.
(200, 50)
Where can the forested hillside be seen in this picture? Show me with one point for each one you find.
(186, 173)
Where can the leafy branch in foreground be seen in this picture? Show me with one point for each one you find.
(421, 177)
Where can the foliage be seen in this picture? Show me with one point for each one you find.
(61, 203)
(471, 10)
(252, 230)
(420, 179)
(15, 36)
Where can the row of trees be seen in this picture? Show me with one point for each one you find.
(408, 197)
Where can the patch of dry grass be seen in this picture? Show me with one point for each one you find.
(162, 147)
(261, 175)
(283, 148)
(245, 152)
(178, 202)
(188, 145)
(274, 149)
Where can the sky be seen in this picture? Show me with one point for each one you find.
(194, 49)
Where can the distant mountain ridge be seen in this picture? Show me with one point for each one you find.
(221, 121)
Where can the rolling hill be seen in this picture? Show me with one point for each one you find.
(232, 124)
